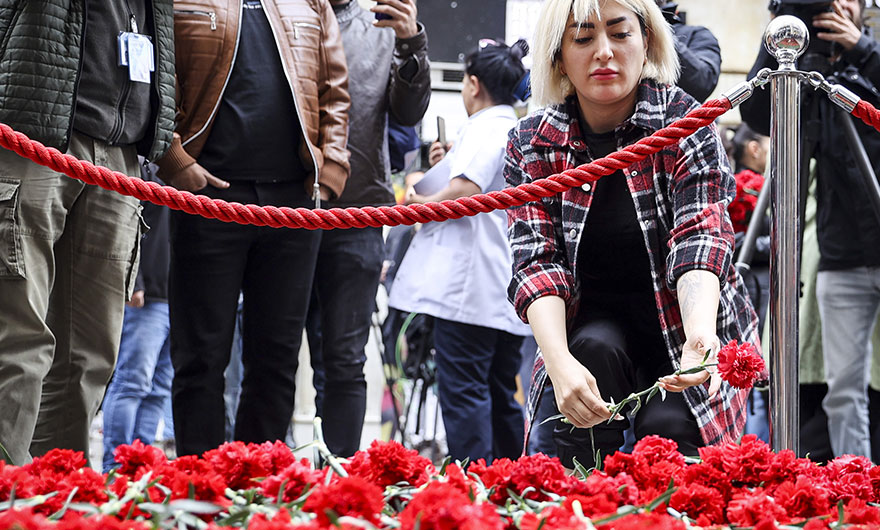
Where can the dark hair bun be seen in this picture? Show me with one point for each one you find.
(519, 49)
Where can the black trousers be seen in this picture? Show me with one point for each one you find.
(344, 298)
(476, 382)
(211, 262)
(618, 339)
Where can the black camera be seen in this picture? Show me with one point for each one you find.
(819, 50)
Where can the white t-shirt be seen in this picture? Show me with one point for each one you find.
(459, 269)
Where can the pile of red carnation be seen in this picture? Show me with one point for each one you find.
(264, 487)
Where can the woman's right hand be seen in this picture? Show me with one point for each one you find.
(194, 178)
(576, 392)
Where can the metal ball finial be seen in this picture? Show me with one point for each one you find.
(786, 38)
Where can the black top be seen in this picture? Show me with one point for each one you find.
(256, 134)
(612, 256)
(109, 106)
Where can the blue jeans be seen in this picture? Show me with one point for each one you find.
(141, 386)
(848, 304)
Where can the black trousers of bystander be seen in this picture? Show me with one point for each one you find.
(211, 262)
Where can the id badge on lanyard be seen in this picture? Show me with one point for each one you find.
(136, 52)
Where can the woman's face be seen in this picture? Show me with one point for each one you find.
(604, 56)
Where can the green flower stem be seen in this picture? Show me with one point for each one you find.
(325, 452)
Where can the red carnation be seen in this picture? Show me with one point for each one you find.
(295, 478)
(645, 521)
(75, 521)
(14, 477)
(749, 508)
(593, 506)
(697, 500)
(22, 519)
(552, 518)
(238, 464)
(136, 457)
(57, 461)
(387, 463)
(442, 506)
(190, 474)
(539, 471)
(740, 365)
(859, 512)
(802, 498)
(276, 456)
(351, 496)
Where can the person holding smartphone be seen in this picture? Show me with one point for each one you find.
(457, 271)
(389, 76)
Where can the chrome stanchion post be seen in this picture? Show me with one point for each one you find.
(786, 39)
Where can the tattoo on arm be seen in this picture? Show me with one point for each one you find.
(689, 288)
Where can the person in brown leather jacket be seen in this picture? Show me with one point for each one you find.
(262, 119)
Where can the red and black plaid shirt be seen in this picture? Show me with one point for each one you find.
(681, 196)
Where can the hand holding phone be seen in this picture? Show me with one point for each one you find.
(382, 16)
(399, 15)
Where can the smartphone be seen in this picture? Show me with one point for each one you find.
(382, 16)
(441, 131)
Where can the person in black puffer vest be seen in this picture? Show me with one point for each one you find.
(68, 251)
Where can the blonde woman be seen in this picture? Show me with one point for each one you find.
(628, 279)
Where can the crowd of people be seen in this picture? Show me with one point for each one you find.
(604, 289)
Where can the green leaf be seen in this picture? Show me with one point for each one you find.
(334, 519)
(706, 357)
(60, 513)
(580, 469)
(652, 393)
(444, 465)
(560, 417)
(4, 454)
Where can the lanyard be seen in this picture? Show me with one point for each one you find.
(132, 20)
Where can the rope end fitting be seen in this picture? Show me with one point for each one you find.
(744, 90)
(844, 98)
(839, 95)
(316, 193)
(739, 93)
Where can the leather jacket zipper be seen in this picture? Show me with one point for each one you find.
(316, 188)
(297, 25)
(226, 82)
(210, 14)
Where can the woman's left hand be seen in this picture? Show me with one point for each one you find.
(692, 355)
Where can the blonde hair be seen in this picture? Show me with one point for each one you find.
(550, 86)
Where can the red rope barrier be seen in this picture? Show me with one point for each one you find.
(367, 216)
(868, 114)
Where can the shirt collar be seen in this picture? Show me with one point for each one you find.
(346, 12)
(560, 124)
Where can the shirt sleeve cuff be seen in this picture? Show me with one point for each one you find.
(538, 281)
(699, 252)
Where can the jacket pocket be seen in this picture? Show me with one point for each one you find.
(11, 257)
